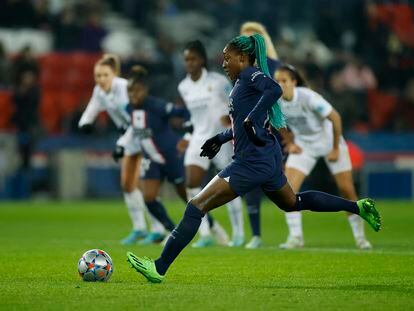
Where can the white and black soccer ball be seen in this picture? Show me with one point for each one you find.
(95, 265)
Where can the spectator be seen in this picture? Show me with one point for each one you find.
(26, 100)
(17, 13)
(92, 34)
(66, 31)
(42, 15)
(24, 62)
(4, 68)
(358, 76)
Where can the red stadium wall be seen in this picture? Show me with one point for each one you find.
(66, 80)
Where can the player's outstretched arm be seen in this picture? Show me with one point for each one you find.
(212, 145)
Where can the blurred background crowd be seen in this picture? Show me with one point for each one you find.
(358, 53)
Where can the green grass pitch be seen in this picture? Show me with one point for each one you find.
(40, 243)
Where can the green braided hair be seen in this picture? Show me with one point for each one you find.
(255, 47)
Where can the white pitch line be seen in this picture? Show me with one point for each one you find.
(343, 250)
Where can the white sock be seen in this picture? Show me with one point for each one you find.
(235, 209)
(156, 226)
(204, 229)
(294, 222)
(192, 192)
(136, 207)
(357, 226)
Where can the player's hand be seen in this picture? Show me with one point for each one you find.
(182, 145)
(86, 128)
(293, 148)
(211, 147)
(251, 133)
(333, 156)
(118, 153)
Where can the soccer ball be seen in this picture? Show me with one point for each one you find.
(95, 265)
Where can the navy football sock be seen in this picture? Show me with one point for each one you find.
(253, 200)
(323, 202)
(180, 237)
(159, 212)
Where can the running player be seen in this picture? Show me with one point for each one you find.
(150, 125)
(257, 158)
(110, 95)
(317, 133)
(253, 198)
(205, 94)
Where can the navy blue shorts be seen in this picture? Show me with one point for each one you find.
(172, 170)
(244, 176)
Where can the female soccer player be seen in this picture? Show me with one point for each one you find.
(110, 95)
(257, 158)
(149, 124)
(253, 198)
(205, 94)
(317, 133)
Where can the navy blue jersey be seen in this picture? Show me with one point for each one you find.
(273, 65)
(252, 96)
(150, 123)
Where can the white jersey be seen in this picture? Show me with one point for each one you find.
(207, 101)
(113, 102)
(306, 117)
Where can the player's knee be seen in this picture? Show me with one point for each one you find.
(289, 205)
(198, 203)
(127, 187)
(192, 183)
(149, 197)
(347, 190)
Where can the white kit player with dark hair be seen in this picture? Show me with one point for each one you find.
(110, 94)
(205, 95)
(317, 131)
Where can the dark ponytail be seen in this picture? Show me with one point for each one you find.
(198, 47)
(294, 74)
(138, 74)
(112, 61)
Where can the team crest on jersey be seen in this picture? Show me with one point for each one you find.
(210, 88)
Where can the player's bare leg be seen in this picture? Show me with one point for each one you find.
(133, 198)
(215, 194)
(294, 219)
(318, 201)
(151, 189)
(208, 227)
(345, 184)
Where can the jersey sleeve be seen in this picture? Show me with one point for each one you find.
(176, 111)
(271, 91)
(226, 136)
(91, 111)
(319, 105)
(272, 64)
(122, 97)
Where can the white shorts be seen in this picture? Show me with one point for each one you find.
(305, 162)
(130, 143)
(220, 161)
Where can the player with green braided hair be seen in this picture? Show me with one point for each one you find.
(255, 45)
(257, 160)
